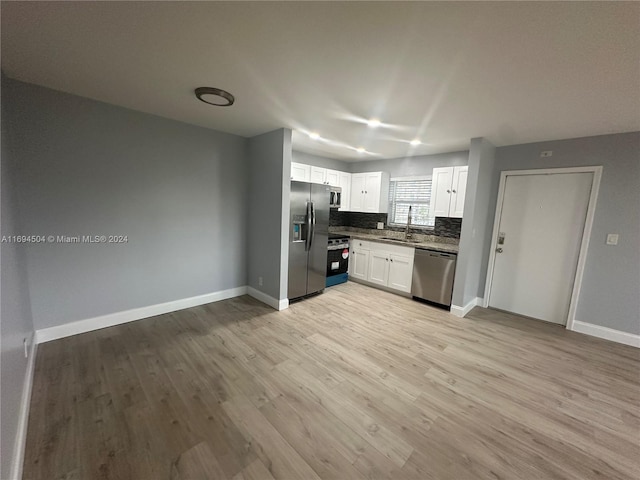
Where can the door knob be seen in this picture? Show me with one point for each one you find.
(499, 250)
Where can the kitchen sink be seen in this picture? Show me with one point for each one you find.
(403, 240)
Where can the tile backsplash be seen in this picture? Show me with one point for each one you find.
(448, 227)
(444, 227)
(356, 219)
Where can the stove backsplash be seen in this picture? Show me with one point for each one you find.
(445, 226)
(356, 219)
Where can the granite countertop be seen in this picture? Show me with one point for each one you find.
(426, 245)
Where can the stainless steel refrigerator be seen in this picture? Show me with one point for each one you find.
(308, 237)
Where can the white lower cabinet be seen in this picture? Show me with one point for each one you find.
(401, 271)
(359, 264)
(379, 267)
(389, 266)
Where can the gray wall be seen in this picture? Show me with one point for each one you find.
(317, 161)
(179, 192)
(407, 166)
(268, 214)
(610, 294)
(477, 223)
(15, 312)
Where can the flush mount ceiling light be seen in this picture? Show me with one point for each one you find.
(360, 150)
(314, 136)
(415, 142)
(214, 96)
(374, 123)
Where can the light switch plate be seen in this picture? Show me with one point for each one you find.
(612, 239)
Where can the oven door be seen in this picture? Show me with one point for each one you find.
(337, 259)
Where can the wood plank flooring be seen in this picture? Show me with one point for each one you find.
(353, 384)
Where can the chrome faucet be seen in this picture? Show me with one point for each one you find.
(407, 233)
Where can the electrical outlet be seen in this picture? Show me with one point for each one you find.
(26, 349)
(612, 239)
(546, 153)
(380, 225)
(259, 281)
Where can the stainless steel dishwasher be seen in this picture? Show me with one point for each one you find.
(433, 274)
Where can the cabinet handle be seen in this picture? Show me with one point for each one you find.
(392, 259)
(362, 191)
(365, 191)
(387, 259)
(453, 191)
(448, 191)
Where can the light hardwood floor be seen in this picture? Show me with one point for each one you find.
(355, 383)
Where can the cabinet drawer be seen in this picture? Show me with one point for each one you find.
(360, 245)
(389, 248)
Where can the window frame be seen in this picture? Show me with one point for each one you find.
(391, 201)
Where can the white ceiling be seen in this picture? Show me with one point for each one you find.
(443, 72)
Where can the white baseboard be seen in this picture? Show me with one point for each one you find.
(462, 311)
(118, 318)
(269, 300)
(17, 462)
(607, 333)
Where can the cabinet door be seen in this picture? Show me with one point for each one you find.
(458, 191)
(318, 175)
(359, 265)
(441, 191)
(357, 193)
(378, 267)
(372, 192)
(300, 172)
(400, 272)
(332, 177)
(344, 182)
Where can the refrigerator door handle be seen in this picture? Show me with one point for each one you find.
(307, 240)
(312, 223)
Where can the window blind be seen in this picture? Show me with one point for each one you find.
(414, 192)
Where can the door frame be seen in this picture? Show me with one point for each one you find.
(586, 233)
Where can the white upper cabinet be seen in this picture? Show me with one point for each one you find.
(318, 175)
(448, 189)
(326, 176)
(458, 191)
(332, 177)
(344, 182)
(300, 172)
(369, 192)
(441, 191)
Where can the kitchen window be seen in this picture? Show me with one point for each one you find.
(414, 192)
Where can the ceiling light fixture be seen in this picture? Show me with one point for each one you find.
(360, 150)
(415, 142)
(374, 123)
(225, 99)
(314, 136)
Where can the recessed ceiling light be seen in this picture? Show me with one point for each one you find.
(314, 136)
(374, 123)
(415, 142)
(360, 150)
(214, 96)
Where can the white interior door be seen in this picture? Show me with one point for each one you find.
(542, 222)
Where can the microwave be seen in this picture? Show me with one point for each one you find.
(335, 197)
